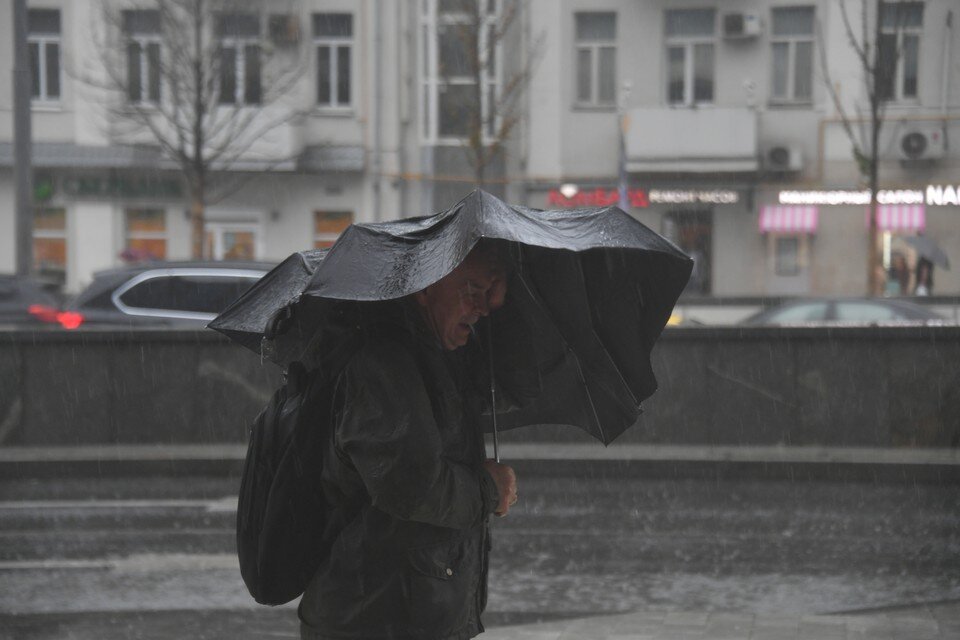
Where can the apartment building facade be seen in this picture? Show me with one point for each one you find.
(711, 122)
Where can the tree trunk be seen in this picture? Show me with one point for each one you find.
(197, 225)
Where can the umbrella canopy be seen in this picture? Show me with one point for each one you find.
(930, 250)
(590, 293)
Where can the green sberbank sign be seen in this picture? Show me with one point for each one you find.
(122, 187)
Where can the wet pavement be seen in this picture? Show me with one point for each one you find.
(587, 554)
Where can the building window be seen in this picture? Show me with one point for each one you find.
(50, 242)
(455, 56)
(239, 35)
(146, 235)
(787, 255)
(43, 41)
(142, 31)
(898, 51)
(596, 51)
(690, 39)
(328, 225)
(333, 39)
(792, 41)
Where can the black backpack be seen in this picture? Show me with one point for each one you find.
(283, 518)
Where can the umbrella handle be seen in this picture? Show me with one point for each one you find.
(493, 392)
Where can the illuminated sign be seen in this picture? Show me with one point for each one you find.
(935, 195)
(940, 195)
(567, 196)
(842, 196)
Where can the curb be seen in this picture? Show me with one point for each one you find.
(840, 464)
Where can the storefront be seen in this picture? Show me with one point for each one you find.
(699, 220)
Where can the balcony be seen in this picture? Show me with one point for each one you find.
(685, 140)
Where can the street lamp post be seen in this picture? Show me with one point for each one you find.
(22, 161)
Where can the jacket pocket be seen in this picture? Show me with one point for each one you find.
(442, 584)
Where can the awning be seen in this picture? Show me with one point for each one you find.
(900, 217)
(788, 219)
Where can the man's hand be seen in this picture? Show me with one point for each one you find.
(506, 481)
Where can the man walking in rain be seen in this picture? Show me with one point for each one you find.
(408, 466)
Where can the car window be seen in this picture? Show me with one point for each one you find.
(196, 294)
(865, 312)
(809, 312)
(208, 294)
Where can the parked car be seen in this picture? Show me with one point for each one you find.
(845, 311)
(25, 302)
(184, 294)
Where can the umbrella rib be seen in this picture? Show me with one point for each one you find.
(569, 350)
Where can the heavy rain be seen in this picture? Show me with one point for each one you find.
(442, 318)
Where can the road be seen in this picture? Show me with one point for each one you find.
(571, 547)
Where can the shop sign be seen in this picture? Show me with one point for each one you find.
(938, 195)
(943, 195)
(640, 198)
(114, 187)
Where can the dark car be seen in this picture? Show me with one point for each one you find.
(183, 294)
(845, 311)
(26, 302)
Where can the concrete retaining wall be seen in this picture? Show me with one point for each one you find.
(887, 386)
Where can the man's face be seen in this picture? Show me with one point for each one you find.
(454, 303)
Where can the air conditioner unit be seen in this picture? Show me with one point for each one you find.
(738, 26)
(284, 30)
(921, 142)
(783, 158)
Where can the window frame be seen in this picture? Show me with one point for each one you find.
(52, 234)
(594, 47)
(792, 41)
(239, 45)
(41, 40)
(131, 234)
(144, 40)
(432, 82)
(900, 32)
(335, 44)
(322, 240)
(689, 44)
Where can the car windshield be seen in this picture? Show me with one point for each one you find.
(802, 312)
(866, 312)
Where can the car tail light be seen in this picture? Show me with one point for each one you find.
(43, 313)
(70, 319)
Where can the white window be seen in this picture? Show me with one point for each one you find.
(901, 25)
(43, 41)
(792, 42)
(459, 69)
(333, 39)
(596, 64)
(328, 225)
(239, 35)
(691, 43)
(142, 31)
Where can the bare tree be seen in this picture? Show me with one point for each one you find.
(868, 35)
(473, 60)
(198, 79)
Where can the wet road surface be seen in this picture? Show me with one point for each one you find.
(120, 549)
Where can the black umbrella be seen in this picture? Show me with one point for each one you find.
(591, 291)
(929, 249)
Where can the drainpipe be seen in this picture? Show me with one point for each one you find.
(376, 162)
(945, 82)
(402, 74)
(22, 140)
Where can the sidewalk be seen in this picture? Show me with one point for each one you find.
(941, 466)
(936, 621)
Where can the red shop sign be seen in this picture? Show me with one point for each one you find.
(598, 198)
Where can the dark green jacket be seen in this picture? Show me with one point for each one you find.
(405, 470)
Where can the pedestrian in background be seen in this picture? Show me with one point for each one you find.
(898, 276)
(924, 277)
